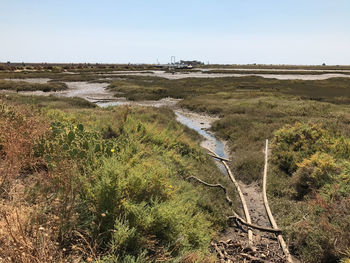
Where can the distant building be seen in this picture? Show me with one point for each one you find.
(182, 64)
(191, 62)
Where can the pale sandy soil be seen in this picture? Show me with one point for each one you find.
(272, 69)
(179, 75)
(32, 80)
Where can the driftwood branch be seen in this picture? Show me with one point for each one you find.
(254, 259)
(268, 210)
(218, 250)
(235, 216)
(220, 158)
(244, 204)
(212, 185)
(261, 228)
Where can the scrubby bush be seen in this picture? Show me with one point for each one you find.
(314, 172)
(69, 141)
(340, 147)
(25, 86)
(18, 131)
(294, 143)
(315, 162)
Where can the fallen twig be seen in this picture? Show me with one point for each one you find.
(220, 158)
(218, 250)
(261, 228)
(212, 185)
(268, 210)
(244, 204)
(256, 259)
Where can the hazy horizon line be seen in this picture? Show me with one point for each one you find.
(147, 63)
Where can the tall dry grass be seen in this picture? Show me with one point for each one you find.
(19, 128)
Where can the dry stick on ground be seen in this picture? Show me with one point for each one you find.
(218, 250)
(235, 216)
(268, 210)
(254, 259)
(261, 228)
(244, 204)
(212, 185)
(220, 158)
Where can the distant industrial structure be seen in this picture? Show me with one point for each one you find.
(182, 64)
(191, 62)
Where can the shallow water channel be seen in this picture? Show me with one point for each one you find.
(198, 122)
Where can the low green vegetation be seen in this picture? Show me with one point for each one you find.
(314, 162)
(48, 101)
(335, 90)
(54, 76)
(25, 86)
(103, 185)
(80, 68)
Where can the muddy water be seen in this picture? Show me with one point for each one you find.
(201, 124)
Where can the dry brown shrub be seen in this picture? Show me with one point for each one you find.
(22, 239)
(27, 235)
(24, 242)
(19, 129)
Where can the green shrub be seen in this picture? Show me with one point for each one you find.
(294, 143)
(150, 206)
(314, 172)
(340, 148)
(70, 141)
(25, 86)
(127, 259)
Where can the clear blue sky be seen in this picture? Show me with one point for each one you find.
(142, 31)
